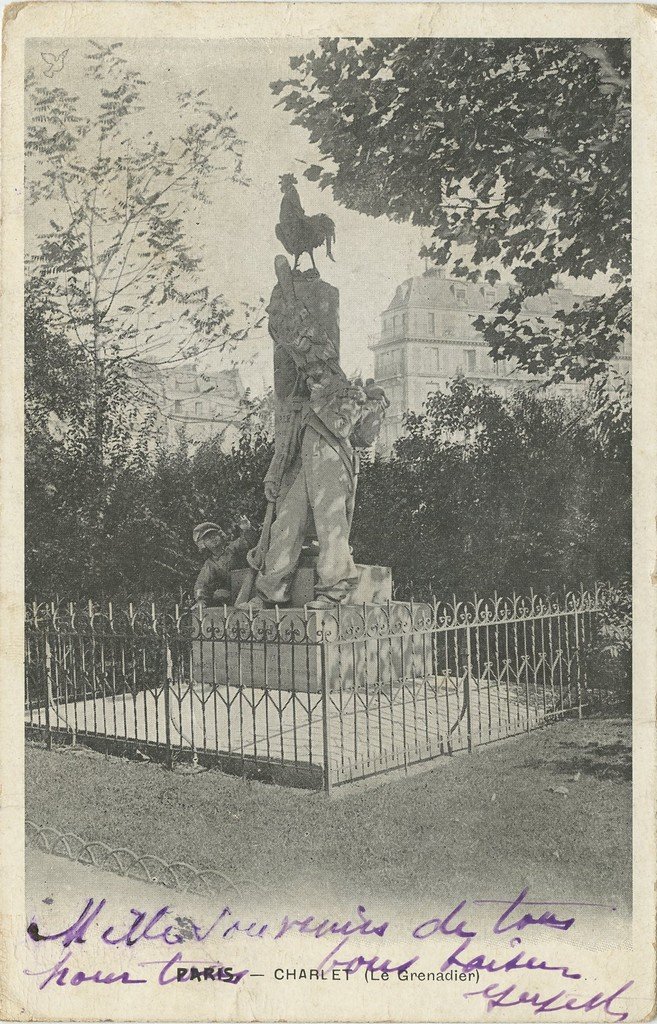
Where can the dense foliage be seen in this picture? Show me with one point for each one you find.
(514, 152)
(609, 658)
(128, 526)
(145, 545)
(482, 494)
(491, 494)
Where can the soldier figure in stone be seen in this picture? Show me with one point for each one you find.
(320, 459)
(323, 418)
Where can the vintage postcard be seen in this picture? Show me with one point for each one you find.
(328, 512)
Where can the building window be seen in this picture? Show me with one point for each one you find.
(386, 363)
(432, 324)
(461, 294)
(405, 325)
(471, 359)
(177, 406)
(436, 359)
(395, 325)
(198, 408)
(489, 295)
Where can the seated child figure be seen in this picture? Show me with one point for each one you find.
(212, 585)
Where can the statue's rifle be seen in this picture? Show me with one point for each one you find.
(256, 557)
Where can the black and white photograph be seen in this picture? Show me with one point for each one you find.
(323, 341)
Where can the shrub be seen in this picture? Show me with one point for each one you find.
(609, 663)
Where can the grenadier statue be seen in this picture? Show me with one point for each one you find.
(322, 418)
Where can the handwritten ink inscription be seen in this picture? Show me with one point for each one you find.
(447, 946)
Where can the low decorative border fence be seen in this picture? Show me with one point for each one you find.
(141, 867)
(307, 698)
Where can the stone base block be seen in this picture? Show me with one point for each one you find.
(374, 585)
(365, 647)
(302, 591)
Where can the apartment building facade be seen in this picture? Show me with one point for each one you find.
(427, 337)
(199, 404)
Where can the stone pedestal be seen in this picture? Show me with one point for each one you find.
(366, 647)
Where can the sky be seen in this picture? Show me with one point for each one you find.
(235, 232)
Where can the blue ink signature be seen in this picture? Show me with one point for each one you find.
(495, 996)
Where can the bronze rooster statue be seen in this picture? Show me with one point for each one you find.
(298, 232)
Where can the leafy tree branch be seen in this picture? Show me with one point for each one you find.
(515, 153)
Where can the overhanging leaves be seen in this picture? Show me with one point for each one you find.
(519, 149)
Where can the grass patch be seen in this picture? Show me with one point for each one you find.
(472, 824)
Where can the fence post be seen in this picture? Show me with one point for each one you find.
(466, 695)
(47, 652)
(526, 657)
(326, 725)
(579, 666)
(167, 695)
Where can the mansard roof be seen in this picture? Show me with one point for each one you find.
(434, 290)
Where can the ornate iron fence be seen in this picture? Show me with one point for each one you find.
(307, 698)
